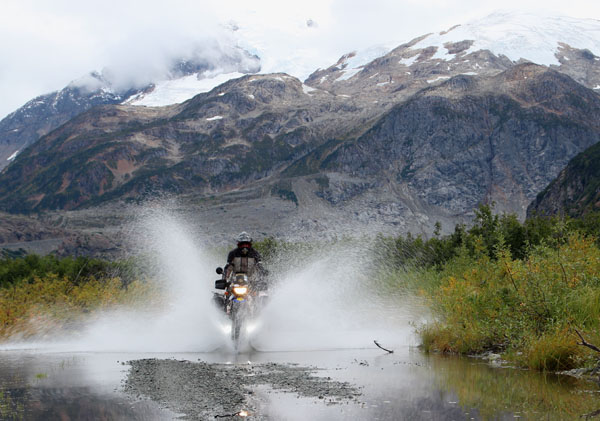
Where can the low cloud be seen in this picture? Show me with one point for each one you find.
(46, 45)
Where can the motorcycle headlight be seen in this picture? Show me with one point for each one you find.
(240, 290)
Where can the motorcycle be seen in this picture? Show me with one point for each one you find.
(240, 302)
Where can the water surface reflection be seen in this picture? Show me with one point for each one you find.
(406, 385)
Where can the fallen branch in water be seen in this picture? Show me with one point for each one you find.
(243, 413)
(387, 350)
(584, 343)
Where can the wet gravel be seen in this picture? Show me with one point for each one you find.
(200, 390)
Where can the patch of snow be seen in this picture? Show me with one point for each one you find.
(438, 78)
(13, 156)
(15, 130)
(520, 35)
(344, 96)
(358, 60)
(217, 117)
(347, 74)
(470, 73)
(443, 54)
(409, 61)
(323, 78)
(566, 58)
(250, 96)
(221, 93)
(307, 89)
(371, 77)
(408, 73)
(596, 87)
(174, 91)
(263, 77)
(383, 83)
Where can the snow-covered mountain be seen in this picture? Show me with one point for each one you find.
(544, 39)
(483, 46)
(535, 37)
(185, 77)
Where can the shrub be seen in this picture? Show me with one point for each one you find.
(521, 307)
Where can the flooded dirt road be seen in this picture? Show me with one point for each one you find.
(365, 384)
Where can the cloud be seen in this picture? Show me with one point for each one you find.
(48, 44)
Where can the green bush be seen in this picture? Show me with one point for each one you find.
(523, 307)
(76, 270)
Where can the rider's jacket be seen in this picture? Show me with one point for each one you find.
(243, 263)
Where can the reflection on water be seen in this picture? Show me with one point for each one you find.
(414, 386)
(496, 392)
(406, 385)
(67, 387)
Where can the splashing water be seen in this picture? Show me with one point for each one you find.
(189, 322)
(320, 301)
(328, 302)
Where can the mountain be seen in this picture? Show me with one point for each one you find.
(482, 47)
(576, 190)
(449, 147)
(47, 112)
(382, 141)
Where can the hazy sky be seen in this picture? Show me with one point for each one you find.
(45, 44)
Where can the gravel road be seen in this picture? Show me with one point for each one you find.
(200, 390)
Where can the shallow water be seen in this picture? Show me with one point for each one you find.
(406, 385)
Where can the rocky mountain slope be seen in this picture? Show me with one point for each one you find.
(239, 132)
(46, 112)
(469, 139)
(576, 190)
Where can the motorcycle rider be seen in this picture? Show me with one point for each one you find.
(245, 259)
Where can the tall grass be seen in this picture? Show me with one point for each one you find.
(527, 309)
(47, 305)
